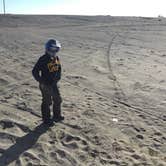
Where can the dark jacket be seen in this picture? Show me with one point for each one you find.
(47, 71)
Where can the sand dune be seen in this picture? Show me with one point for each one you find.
(113, 89)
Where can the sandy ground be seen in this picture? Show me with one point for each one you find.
(113, 88)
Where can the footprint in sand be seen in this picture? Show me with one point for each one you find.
(158, 134)
(73, 142)
(29, 156)
(136, 156)
(102, 99)
(3, 82)
(142, 116)
(142, 129)
(89, 97)
(115, 163)
(6, 138)
(164, 118)
(139, 129)
(64, 155)
(140, 136)
(76, 77)
(152, 152)
(6, 123)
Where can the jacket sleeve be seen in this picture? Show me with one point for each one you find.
(36, 71)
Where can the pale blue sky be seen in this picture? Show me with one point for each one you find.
(147, 8)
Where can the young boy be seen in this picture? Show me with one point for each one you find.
(47, 71)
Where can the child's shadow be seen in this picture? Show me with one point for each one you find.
(22, 144)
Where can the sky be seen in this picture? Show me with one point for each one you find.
(144, 8)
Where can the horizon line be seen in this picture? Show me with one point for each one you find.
(106, 15)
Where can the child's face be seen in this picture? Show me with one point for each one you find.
(51, 54)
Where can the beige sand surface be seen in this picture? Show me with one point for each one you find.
(113, 88)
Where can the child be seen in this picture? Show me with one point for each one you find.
(47, 71)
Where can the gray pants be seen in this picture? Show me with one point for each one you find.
(50, 94)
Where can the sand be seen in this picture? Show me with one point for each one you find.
(113, 89)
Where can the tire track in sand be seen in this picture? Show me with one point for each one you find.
(119, 93)
(120, 96)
